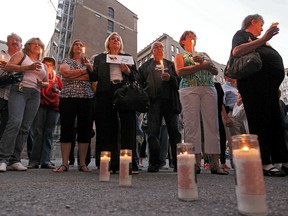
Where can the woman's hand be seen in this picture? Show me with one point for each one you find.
(125, 69)
(87, 63)
(198, 59)
(35, 66)
(271, 32)
(42, 84)
(210, 66)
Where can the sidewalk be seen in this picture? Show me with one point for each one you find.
(42, 192)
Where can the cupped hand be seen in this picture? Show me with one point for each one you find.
(125, 69)
(271, 32)
(36, 66)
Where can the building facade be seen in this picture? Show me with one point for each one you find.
(92, 21)
(171, 49)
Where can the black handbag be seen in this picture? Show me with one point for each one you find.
(131, 97)
(8, 78)
(244, 66)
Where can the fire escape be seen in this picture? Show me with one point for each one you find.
(61, 38)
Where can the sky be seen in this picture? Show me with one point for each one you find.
(214, 21)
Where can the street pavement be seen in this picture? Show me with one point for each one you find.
(41, 192)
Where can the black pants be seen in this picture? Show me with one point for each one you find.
(260, 98)
(114, 130)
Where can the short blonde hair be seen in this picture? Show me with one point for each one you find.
(27, 46)
(107, 49)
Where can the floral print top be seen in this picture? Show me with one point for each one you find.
(76, 88)
(200, 78)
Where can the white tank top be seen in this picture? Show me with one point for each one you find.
(31, 76)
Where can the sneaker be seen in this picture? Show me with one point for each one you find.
(3, 167)
(17, 167)
(225, 166)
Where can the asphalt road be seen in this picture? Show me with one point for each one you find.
(42, 192)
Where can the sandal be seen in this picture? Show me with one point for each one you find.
(84, 168)
(219, 171)
(273, 172)
(61, 168)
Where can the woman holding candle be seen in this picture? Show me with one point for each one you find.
(198, 96)
(23, 103)
(111, 77)
(76, 101)
(260, 93)
(46, 119)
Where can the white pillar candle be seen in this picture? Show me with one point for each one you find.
(104, 174)
(250, 187)
(125, 171)
(186, 165)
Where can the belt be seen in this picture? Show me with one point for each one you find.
(116, 81)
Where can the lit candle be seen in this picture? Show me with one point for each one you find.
(83, 50)
(162, 66)
(186, 163)
(125, 171)
(3, 57)
(54, 76)
(192, 46)
(104, 174)
(274, 23)
(40, 54)
(250, 187)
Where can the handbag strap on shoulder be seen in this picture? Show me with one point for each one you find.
(24, 56)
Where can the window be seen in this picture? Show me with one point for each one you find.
(110, 26)
(111, 12)
(172, 58)
(122, 27)
(172, 48)
(177, 50)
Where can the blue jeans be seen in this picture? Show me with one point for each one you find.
(22, 108)
(42, 136)
(156, 112)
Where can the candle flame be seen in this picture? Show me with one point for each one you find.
(40, 54)
(83, 49)
(161, 62)
(245, 148)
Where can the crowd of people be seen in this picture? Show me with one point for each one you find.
(186, 104)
